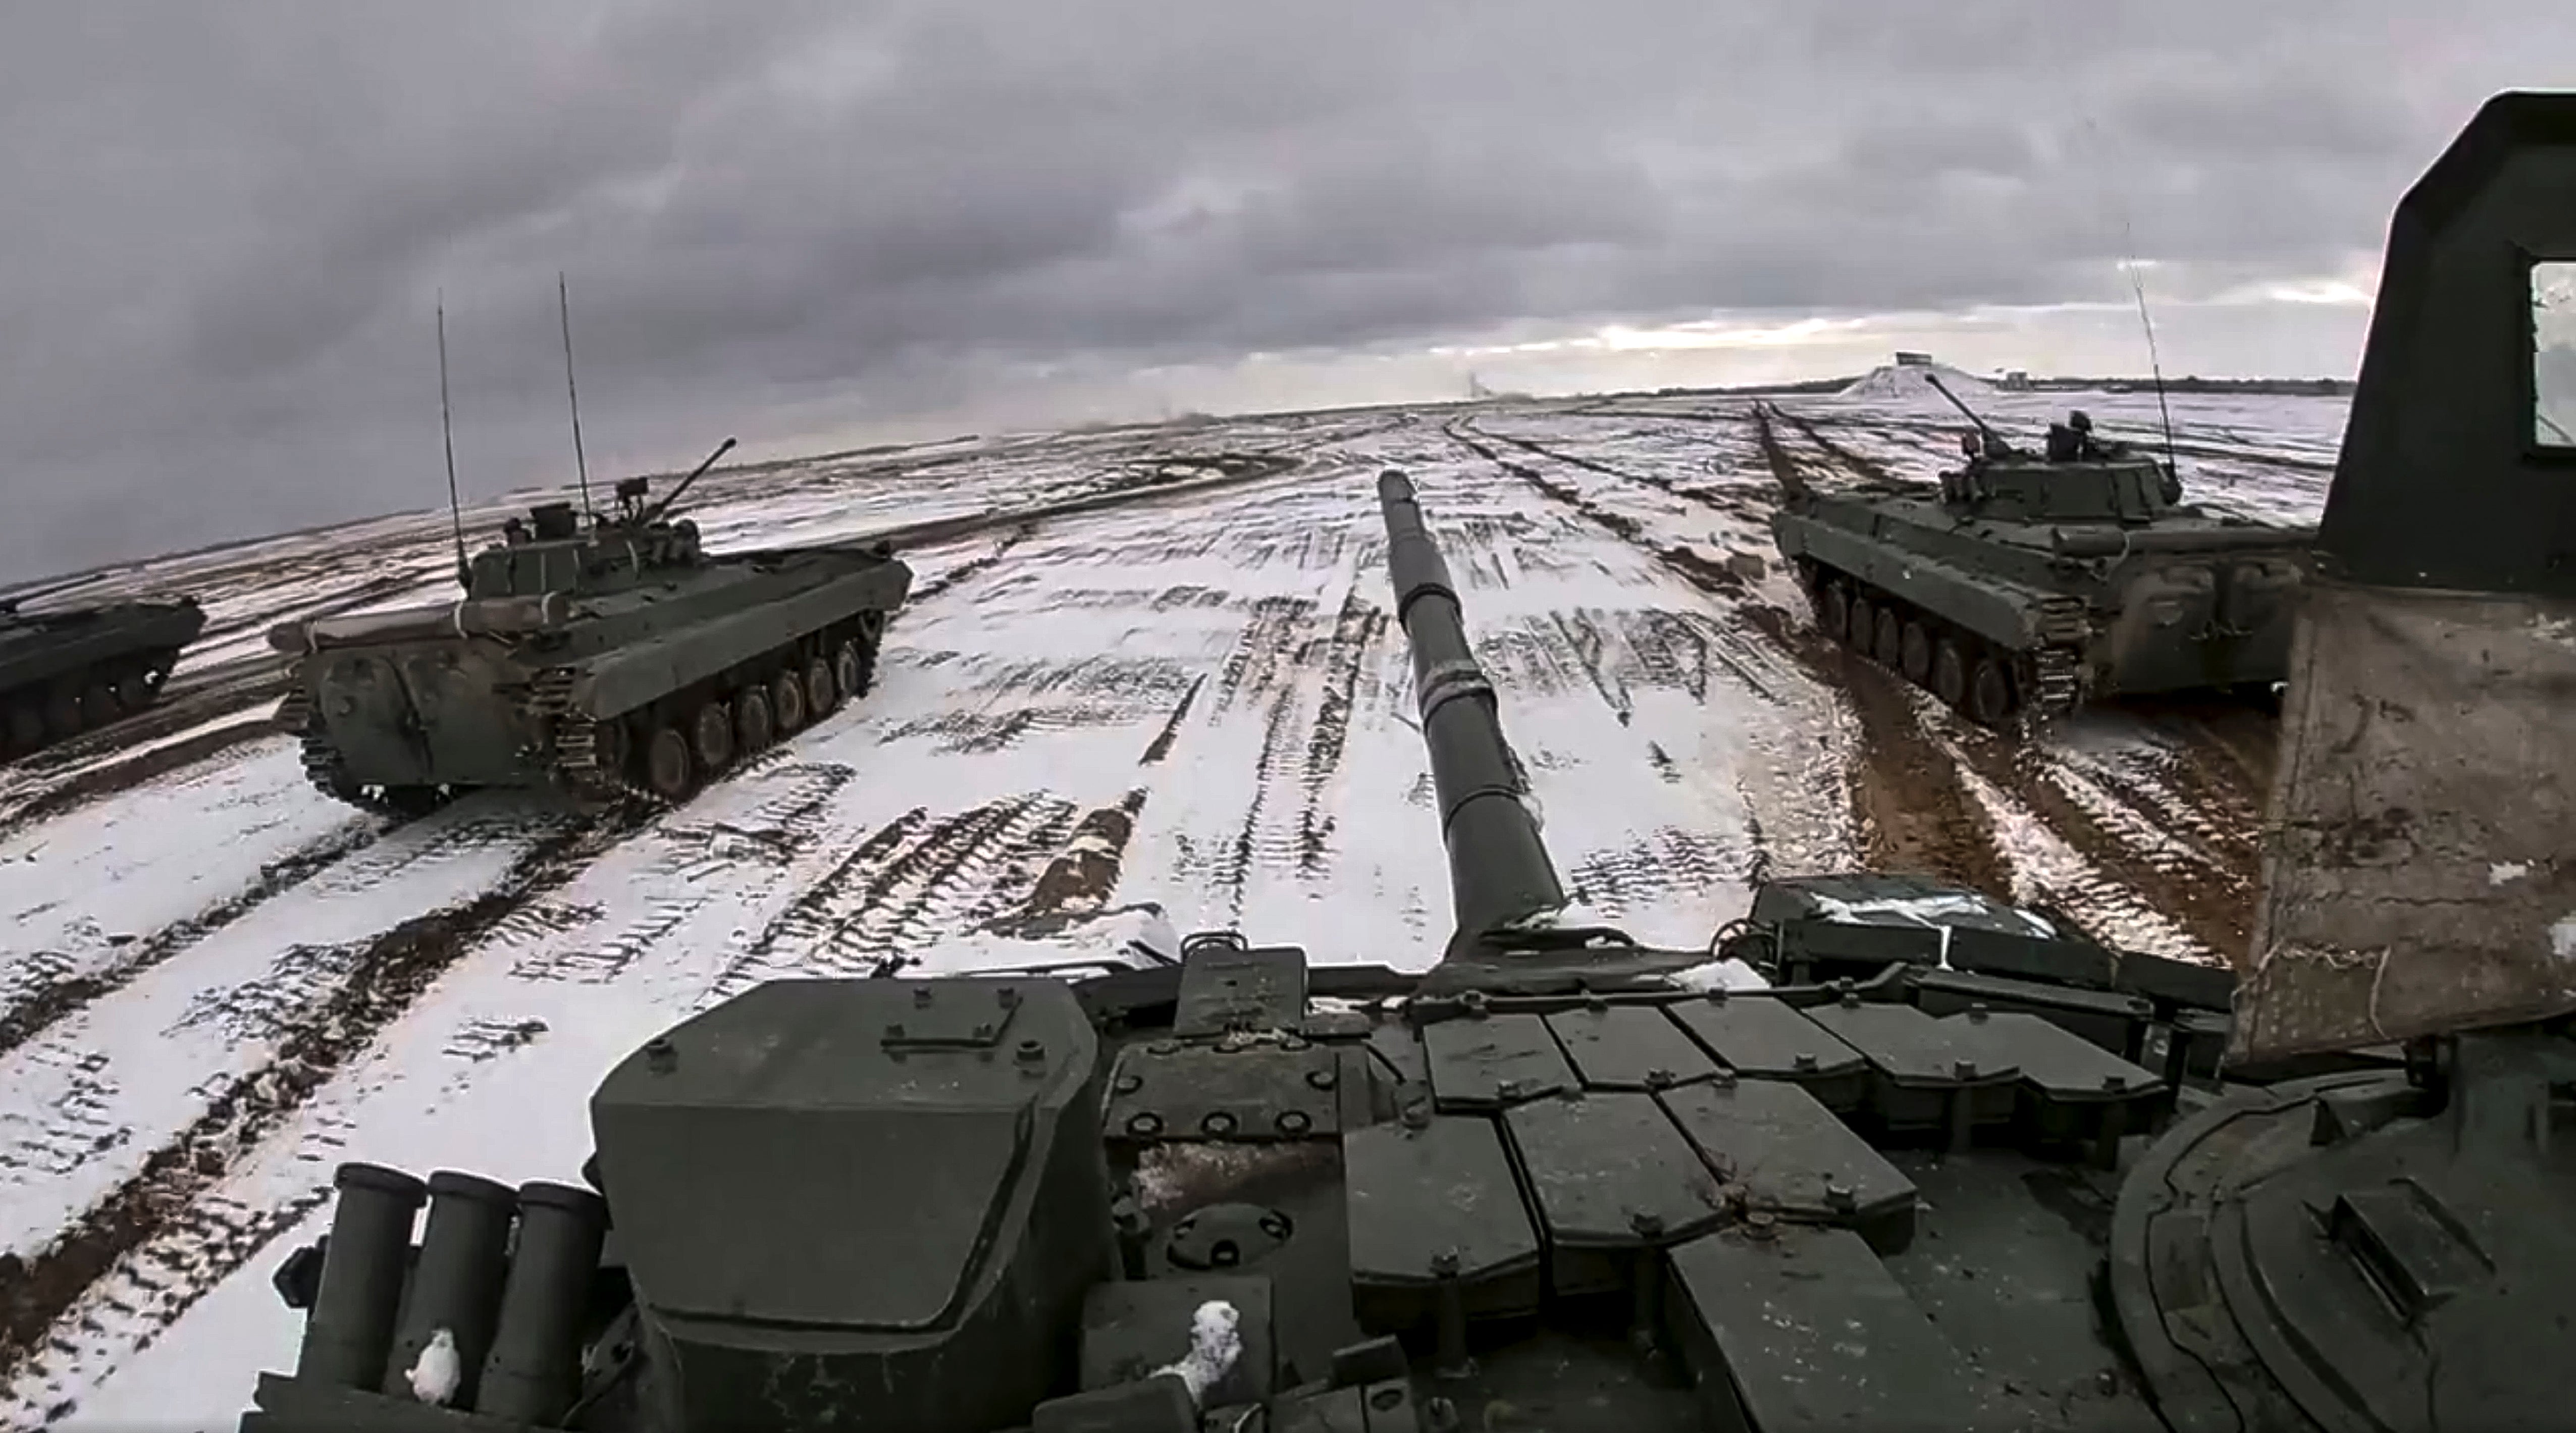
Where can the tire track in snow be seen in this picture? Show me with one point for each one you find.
(384, 979)
(1357, 629)
(697, 847)
(44, 997)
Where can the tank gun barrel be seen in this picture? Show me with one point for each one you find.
(654, 513)
(1994, 440)
(1499, 870)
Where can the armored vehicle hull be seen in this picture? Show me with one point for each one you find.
(2037, 586)
(66, 672)
(654, 685)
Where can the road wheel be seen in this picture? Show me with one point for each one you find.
(1833, 611)
(133, 691)
(711, 735)
(847, 670)
(1915, 654)
(1864, 621)
(668, 772)
(1886, 638)
(1990, 693)
(787, 701)
(1950, 675)
(63, 713)
(751, 719)
(821, 695)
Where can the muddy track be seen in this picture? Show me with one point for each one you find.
(1859, 466)
(388, 976)
(1906, 799)
(1078, 882)
(1357, 629)
(1161, 746)
(812, 914)
(973, 567)
(2214, 908)
(1786, 470)
(915, 896)
(51, 1002)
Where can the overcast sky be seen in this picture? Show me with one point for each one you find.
(829, 220)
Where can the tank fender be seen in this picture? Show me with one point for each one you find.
(625, 680)
(1996, 611)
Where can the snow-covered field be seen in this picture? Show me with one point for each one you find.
(215, 985)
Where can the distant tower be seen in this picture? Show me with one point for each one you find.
(1476, 386)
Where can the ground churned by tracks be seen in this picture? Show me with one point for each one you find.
(51, 1002)
(123, 774)
(388, 976)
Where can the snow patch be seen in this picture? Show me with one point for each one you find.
(1573, 915)
(2506, 872)
(1216, 1343)
(2562, 938)
(1719, 975)
(1908, 383)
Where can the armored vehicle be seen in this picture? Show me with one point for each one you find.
(68, 671)
(2038, 582)
(597, 654)
(1987, 1174)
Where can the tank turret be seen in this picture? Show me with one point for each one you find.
(551, 551)
(1958, 1166)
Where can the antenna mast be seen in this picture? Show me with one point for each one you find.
(581, 466)
(2155, 365)
(2138, 286)
(447, 434)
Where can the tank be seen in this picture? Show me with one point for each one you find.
(1957, 1166)
(2037, 582)
(597, 654)
(74, 669)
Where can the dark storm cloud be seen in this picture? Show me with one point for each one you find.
(227, 223)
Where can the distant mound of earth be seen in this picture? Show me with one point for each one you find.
(1904, 382)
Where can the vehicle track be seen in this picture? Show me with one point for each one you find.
(42, 1001)
(1907, 805)
(382, 980)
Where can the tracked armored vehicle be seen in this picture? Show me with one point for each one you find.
(598, 655)
(1964, 1169)
(76, 669)
(2038, 582)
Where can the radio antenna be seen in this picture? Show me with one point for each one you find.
(2155, 365)
(447, 434)
(581, 466)
(2138, 286)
